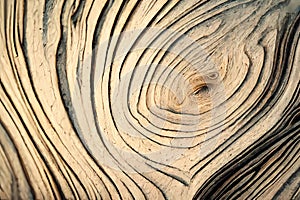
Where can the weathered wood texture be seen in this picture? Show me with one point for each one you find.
(190, 99)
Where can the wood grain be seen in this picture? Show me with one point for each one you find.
(183, 99)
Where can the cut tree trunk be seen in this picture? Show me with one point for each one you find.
(103, 99)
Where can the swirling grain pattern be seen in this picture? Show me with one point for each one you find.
(150, 99)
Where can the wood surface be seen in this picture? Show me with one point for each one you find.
(149, 99)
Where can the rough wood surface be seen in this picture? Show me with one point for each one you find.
(189, 99)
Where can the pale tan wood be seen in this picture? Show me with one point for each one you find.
(149, 99)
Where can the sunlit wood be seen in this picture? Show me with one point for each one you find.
(149, 99)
